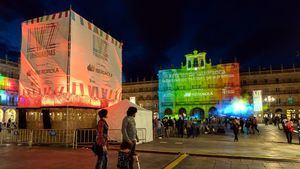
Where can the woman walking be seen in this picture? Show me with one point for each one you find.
(102, 138)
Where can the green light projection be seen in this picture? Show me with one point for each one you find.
(197, 87)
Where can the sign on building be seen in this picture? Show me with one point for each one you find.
(257, 100)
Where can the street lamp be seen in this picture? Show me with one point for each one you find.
(269, 99)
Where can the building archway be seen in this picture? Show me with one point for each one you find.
(168, 111)
(1, 115)
(212, 111)
(182, 112)
(197, 113)
(10, 114)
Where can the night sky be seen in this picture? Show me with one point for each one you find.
(157, 33)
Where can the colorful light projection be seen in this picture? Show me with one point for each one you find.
(197, 85)
(68, 61)
(8, 84)
(238, 107)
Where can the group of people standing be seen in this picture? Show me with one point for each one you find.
(168, 127)
(238, 125)
(129, 140)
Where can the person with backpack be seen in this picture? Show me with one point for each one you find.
(102, 140)
(289, 129)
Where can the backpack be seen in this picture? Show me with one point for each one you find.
(123, 160)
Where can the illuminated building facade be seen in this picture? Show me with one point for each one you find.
(142, 93)
(280, 90)
(9, 72)
(69, 68)
(198, 89)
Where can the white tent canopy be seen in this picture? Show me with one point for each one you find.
(143, 120)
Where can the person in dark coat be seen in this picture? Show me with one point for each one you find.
(235, 128)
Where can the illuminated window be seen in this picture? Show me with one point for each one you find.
(290, 100)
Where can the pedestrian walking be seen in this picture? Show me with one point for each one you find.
(129, 133)
(298, 129)
(235, 128)
(247, 125)
(180, 127)
(254, 123)
(242, 122)
(102, 138)
(160, 126)
(289, 129)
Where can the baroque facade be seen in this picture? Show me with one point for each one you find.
(143, 93)
(282, 85)
(197, 89)
(280, 90)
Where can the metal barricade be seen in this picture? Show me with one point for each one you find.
(52, 136)
(84, 137)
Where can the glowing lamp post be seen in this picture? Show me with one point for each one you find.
(269, 99)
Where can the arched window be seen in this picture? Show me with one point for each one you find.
(196, 64)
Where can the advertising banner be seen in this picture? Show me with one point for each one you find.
(95, 65)
(68, 61)
(44, 55)
(257, 100)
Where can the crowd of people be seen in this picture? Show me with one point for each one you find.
(193, 127)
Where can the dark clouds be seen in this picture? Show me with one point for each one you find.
(158, 33)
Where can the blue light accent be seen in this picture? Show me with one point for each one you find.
(236, 108)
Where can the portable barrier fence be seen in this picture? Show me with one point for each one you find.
(35, 137)
(81, 137)
(85, 137)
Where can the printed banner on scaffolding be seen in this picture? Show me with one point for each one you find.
(44, 56)
(93, 63)
(96, 65)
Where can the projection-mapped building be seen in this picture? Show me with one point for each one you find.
(198, 89)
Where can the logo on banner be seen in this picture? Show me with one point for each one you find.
(41, 40)
(100, 47)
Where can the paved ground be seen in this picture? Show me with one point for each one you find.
(222, 163)
(265, 151)
(270, 144)
(20, 157)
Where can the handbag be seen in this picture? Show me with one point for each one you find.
(97, 149)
